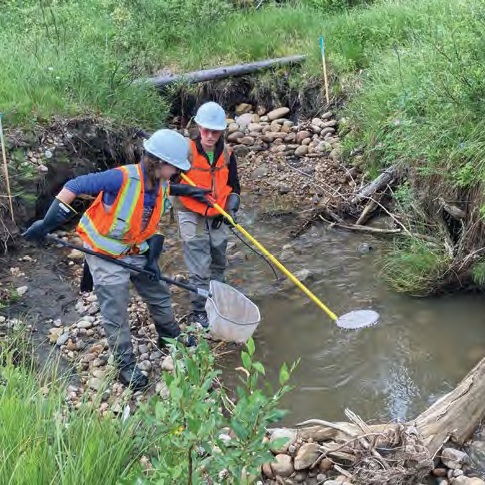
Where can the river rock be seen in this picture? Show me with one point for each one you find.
(306, 456)
(84, 324)
(54, 334)
(167, 363)
(278, 113)
(289, 435)
(75, 255)
(306, 141)
(232, 128)
(162, 390)
(317, 122)
(267, 470)
(301, 151)
(454, 458)
(62, 339)
(463, 480)
(235, 136)
(325, 465)
(21, 290)
(301, 135)
(326, 115)
(244, 120)
(259, 172)
(145, 365)
(282, 465)
(247, 140)
(286, 129)
(95, 383)
(336, 154)
(241, 151)
(257, 127)
(243, 108)
(326, 132)
(99, 373)
(328, 124)
(316, 129)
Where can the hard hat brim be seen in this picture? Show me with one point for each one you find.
(183, 165)
(210, 126)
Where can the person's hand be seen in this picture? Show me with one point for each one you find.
(197, 193)
(232, 206)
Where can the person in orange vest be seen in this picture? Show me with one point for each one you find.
(204, 237)
(122, 222)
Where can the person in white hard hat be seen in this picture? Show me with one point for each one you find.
(204, 237)
(123, 222)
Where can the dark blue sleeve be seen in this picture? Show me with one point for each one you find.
(109, 181)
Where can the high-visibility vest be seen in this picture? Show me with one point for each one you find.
(118, 230)
(207, 176)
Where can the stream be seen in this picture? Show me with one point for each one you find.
(419, 349)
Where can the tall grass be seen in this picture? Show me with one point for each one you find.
(70, 57)
(43, 441)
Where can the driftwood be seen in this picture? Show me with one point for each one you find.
(456, 415)
(381, 182)
(222, 72)
(399, 453)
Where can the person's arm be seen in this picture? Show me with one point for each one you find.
(61, 211)
(92, 184)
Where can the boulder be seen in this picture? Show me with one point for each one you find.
(278, 113)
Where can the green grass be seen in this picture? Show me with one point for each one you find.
(41, 441)
(75, 57)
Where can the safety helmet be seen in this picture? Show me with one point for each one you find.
(211, 116)
(169, 146)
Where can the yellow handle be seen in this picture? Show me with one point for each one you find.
(279, 265)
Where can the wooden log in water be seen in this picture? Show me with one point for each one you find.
(457, 414)
(222, 72)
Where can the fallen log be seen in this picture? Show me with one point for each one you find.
(455, 415)
(384, 179)
(221, 72)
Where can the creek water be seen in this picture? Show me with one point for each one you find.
(419, 349)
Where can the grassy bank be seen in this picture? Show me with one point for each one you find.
(71, 57)
(194, 434)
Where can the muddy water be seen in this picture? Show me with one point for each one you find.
(419, 350)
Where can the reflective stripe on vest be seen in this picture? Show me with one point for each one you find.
(122, 236)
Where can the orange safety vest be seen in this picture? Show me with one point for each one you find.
(117, 231)
(213, 177)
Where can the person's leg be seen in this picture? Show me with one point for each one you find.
(218, 248)
(196, 249)
(111, 285)
(157, 297)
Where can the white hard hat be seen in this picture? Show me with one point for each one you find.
(169, 146)
(211, 116)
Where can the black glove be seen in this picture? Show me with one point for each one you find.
(232, 206)
(155, 247)
(58, 213)
(186, 190)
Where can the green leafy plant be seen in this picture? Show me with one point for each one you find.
(200, 432)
